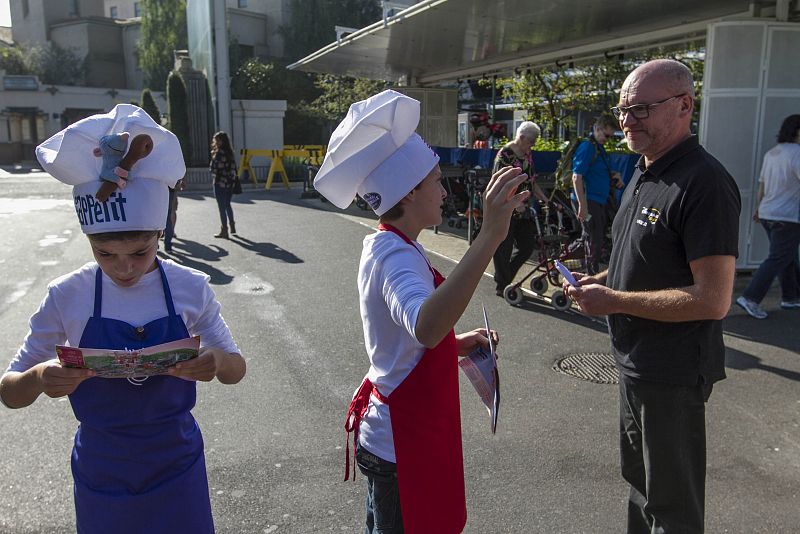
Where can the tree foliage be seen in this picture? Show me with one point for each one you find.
(163, 31)
(338, 92)
(312, 22)
(554, 94)
(52, 64)
(150, 106)
(12, 60)
(272, 81)
(178, 111)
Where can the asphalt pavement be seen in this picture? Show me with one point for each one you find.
(274, 442)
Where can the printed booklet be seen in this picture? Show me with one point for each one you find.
(481, 369)
(130, 363)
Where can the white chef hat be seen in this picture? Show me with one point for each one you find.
(142, 205)
(375, 153)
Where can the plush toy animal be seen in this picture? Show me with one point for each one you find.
(116, 163)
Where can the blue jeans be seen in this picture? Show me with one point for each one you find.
(383, 494)
(784, 239)
(224, 196)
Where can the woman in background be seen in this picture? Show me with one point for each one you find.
(223, 169)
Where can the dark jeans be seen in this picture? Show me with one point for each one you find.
(663, 455)
(522, 233)
(593, 233)
(169, 230)
(383, 494)
(224, 196)
(782, 261)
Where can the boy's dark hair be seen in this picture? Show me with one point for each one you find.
(789, 129)
(396, 211)
(606, 121)
(130, 235)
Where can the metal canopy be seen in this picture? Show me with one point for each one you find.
(435, 41)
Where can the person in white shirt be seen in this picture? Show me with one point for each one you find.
(405, 415)
(779, 213)
(138, 462)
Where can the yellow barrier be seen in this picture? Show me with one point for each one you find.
(313, 153)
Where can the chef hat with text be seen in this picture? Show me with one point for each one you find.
(69, 157)
(375, 153)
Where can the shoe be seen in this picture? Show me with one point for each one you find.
(752, 309)
(223, 232)
(790, 304)
(498, 292)
(233, 227)
(167, 249)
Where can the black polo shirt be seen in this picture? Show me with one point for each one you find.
(683, 207)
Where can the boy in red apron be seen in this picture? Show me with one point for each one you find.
(137, 462)
(405, 415)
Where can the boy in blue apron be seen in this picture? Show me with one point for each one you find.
(137, 461)
(405, 415)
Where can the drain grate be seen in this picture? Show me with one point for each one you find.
(597, 367)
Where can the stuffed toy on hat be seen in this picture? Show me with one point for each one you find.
(116, 167)
(152, 163)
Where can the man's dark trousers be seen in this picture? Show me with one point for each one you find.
(663, 455)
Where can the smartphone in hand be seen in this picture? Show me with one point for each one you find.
(565, 273)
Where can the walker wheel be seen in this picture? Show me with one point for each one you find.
(539, 285)
(512, 294)
(450, 223)
(559, 301)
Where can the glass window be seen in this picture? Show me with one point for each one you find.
(112, 11)
(137, 9)
(73, 8)
(26, 8)
(242, 3)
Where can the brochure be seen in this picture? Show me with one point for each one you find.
(130, 363)
(481, 369)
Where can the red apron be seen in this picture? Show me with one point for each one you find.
(426, 426)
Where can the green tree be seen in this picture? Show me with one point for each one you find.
(554, 94)
(255, 80)
(149, 105)
(55, 65)
(163, 31)
(338, 92)
(12, 60)
(178, 111)
(311, 25)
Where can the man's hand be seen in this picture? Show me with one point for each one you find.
(593, 299)
(57, 381)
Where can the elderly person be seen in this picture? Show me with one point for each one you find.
(666, 290)
(779, 212)
(522, 231)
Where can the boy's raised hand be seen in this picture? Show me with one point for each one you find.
(500, 199)
(57, 381)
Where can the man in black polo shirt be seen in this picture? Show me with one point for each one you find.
(668, 285)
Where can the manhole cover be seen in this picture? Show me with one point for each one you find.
(597, 367)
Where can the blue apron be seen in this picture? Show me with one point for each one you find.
(138, 460)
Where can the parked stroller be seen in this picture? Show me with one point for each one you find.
(557, 229)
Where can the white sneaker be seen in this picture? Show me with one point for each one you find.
(753, 309)
(790, 304)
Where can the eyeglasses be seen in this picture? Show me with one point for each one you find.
(639, 111)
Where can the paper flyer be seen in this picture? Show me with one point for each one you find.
(149, 361)
(481, 369)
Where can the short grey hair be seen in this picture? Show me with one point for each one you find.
(530, 130)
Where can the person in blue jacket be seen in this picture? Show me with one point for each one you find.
(592, 177)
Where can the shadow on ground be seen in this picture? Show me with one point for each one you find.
(197, 256)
